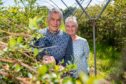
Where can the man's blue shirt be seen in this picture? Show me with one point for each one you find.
(60, 45)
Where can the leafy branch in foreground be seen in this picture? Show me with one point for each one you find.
(18, 62)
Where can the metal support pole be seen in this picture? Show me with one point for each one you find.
(94, 25)
(94, 46)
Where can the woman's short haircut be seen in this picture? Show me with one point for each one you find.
(72, 19)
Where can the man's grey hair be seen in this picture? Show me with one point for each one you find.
(55, 10)
(72, 19)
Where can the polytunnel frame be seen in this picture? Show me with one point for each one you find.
(92, 19)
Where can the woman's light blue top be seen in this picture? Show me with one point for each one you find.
(81, 53)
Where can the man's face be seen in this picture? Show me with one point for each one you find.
(54, 22)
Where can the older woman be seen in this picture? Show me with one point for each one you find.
(80, 46)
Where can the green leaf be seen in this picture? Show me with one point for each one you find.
(19, 39)
(67, 81)
(12, 42)
(62, 26)
(57, 68)
(36, 51)
(32, 23)
(17, 67)
(1, 2)
(42, 69)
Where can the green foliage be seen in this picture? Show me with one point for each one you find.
(1, 2)
(18, 26)
(17, 67)
(12, 42)
(20, 39)
(110, 28)
(42, 70)
(108, 61)
(36, 51)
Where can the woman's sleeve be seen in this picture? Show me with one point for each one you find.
(86, 49)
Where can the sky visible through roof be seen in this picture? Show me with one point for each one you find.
(58, 3)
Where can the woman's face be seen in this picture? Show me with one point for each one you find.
(71, 28)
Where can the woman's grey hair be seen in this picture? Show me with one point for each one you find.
(55, 10)
(72, 19)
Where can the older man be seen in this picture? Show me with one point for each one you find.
(60, 42)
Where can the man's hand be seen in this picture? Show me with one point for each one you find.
(48, 59)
